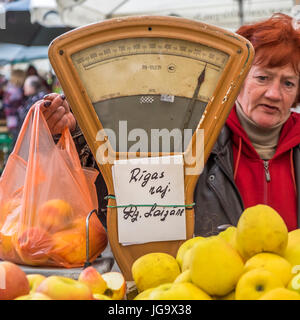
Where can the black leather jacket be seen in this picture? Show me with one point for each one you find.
(218, 201)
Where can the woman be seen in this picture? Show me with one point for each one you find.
(257, 157)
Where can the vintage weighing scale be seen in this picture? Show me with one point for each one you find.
(150, 72)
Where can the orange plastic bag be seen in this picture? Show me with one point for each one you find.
(45, 197)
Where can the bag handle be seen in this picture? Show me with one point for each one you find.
(34, 115)
(23, 129)
(66, 143)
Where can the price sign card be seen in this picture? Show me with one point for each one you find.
(150, 199)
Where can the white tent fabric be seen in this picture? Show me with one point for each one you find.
(223, 13)
(14, 53)
(45, 12)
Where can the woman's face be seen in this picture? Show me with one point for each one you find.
(268, 94)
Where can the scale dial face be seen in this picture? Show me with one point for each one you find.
(150, 84)
(159, 78)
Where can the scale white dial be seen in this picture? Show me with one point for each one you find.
(144, 76)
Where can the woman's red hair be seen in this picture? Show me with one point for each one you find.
(276, 42)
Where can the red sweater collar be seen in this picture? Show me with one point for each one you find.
(289, 136)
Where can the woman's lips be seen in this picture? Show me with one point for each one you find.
(269, 107)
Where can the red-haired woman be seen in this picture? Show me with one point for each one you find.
(256, 159)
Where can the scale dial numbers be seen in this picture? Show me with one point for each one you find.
(148, 66)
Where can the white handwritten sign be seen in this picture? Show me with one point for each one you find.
(150, 199)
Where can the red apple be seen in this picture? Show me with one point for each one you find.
(13, 281)
(91, 277)
(35, 280)
(63, 288)
(34, 296)
(116, 285)
(98, 296)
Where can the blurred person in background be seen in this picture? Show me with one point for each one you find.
(34, 90)
(32, 71)
(3, 82)
(13, 99)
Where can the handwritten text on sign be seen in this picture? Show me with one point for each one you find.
(150, 198)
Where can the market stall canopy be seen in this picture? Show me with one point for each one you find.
(46, 13)
(19, 29)
(11, 53)
(223, 13)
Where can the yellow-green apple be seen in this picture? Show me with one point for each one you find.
(116, 285)
(153, 269)
(229, 235)
(63, 288)
(255, 283)
(144, 295)
(185, 246)
(215, 266)
(34, 280)
(292, 251)
(93, 279)
(184, 276)
(69, 245)
(13, 281)
(280, 294)
(98, 296)
(34, 245)
(186, 260)
(294, 283)
(55, 215)
(229, 296)
(34, 296)
(178, 291)
(270, 230)
(272, 262)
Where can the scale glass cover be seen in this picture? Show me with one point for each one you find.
(150, 72)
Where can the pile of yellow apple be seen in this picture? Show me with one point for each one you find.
(256, 260)
(15, 284)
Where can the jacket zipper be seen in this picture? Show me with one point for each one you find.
(267, 180)
(267, 172)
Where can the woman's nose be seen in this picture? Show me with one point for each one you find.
(273, 91)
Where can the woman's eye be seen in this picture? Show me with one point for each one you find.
(262, 78)
(289, 84)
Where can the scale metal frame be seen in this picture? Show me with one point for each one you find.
(240, 56)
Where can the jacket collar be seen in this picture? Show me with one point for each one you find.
(289, 136)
